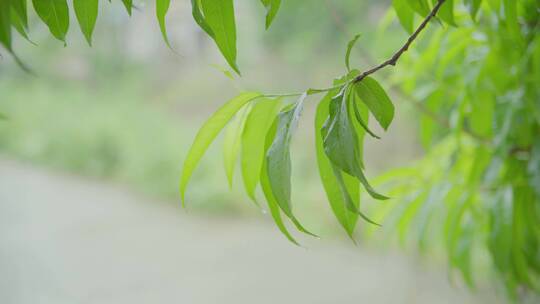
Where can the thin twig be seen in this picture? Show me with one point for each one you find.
(393, 60)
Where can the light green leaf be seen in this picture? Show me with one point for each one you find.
(208, 133)
(232, 141)
(345, 217)
(405, 14)
(86, 12)
(272, 8)
(446, 12)
(376, 99)
(55, 14)
(129, 5)
(420, 6)
(267, 188)
(350, 46)
(258, 122)
(196, 11)
(162, 7)
(219, 16)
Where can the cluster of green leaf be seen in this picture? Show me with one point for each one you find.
(477, 79)
(478, 188)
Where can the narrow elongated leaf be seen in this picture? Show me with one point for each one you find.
(162, 7)
(55, 15)
(196, 11)
(86, 12)
(267, 188)
(341, 142)
(345, 217)
(278, 157)
(129, 6)
(232, 141)
(272, 8)
(278, 160)
(19, 25)
(258, 122)
(376, 99)
(350, 46)
(219, 16)
(208, 133)
(405, 14)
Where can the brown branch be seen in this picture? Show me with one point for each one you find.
(393, 60)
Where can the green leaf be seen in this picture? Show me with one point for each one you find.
(278, 160)
(420, 6)
(446, 12)
(55, 14)
(258, 122)
(208, 133)
(129, 5)
(19, 25)
(405, 14)
(362, 115)
(196, 11)
(376, 99)
(267, 188)
(473, 6)
(219, 15)
(232, 141)
(5, 25)
(272, 8)
(350, 46)
(162, 7)
(278, 157)
(345, 217)
(86, 12)
(19, 8)
(341, 141)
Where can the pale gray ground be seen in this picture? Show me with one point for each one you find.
(69, 240)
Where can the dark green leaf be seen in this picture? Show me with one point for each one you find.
(219, 16)
(345, 217)
(376, 99)
(5, 25)
(267, 188)
(341, 141)
(208, 133)
(361, 115)
(55, 15)
(278, 160)
(86, 12)
(19, 8)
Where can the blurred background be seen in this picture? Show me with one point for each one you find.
(91, 153)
